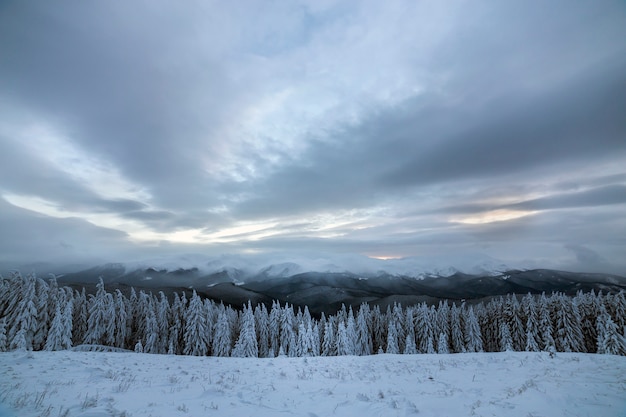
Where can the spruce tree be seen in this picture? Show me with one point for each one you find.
(609, 340)
(506, 342)
(456, 330)
(392, 337)
(473, 337)
(196, 333)
(274, 329)
(246, 345)
(222, 339)
(3, 335)
(442, 344)
(569, 336)
(99, 316)
(329, 347)
(59, 336)
(262, 330)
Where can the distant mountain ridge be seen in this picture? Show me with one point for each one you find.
(326, 291)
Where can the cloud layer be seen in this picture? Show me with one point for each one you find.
(386, 129)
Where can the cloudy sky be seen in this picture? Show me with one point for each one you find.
(381, 128)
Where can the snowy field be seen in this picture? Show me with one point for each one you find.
(479, 384)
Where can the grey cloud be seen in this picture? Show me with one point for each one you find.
(507, 96)
(569, 125)
(609, 195)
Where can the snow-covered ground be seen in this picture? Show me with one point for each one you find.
(482, 384)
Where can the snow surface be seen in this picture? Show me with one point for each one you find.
(511, 384)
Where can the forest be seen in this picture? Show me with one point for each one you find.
(38, 314)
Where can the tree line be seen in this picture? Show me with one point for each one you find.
(37, 314)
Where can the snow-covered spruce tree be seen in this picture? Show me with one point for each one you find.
(589, 308)
(409, 345)
(609, 340)
(511, 314)
(423, 326)
(246, 346)
(43, 318)
(532, 324)
(506, 342)
(79, 317)
(3, 335)
(545, 326)
(287, 332)
(379, 330)
(329, 344)
(392, 337)
(163, 317)
(304, 341)
(195, 335)
(618, 311)
(24, 317)
(473, 337)
(221, 339)
(569, 337)
(363, 335)
(531, 342)
(401, 325)
(152, 333)
(120, 328)
(274, 329)
(176, 331)
(53, 296)
(351, 332)
(342, 342)
(442, 319)
(317, 344)
(456, 330)
(99, 316)
(442, 344)
(60, 334)
(261, 319)
(111, 323)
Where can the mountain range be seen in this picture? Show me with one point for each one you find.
(324, 287)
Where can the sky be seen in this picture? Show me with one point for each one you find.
(380, 128)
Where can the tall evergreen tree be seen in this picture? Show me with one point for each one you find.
(3, 335)
(99, 316)
(506, 342)
(473, 337)
(261, 318)
(392, 337)
(442, 344)
(274, 329)
(196, 334)
(60, 334)
(609, 340)
(222, 339)
(456, 330)
(569, 336)
(24, 317)
(545, 326)
(329, 344)
(246, 345)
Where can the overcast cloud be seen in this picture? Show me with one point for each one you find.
(387, 129)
